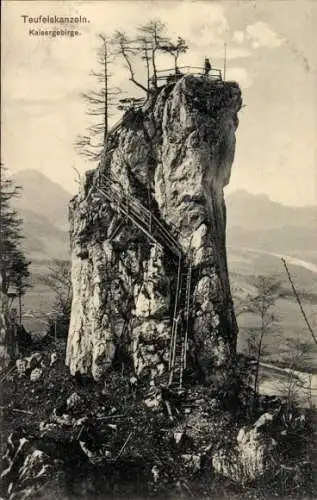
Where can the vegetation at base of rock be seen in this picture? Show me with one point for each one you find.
(101, 439)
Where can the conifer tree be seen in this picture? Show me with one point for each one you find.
(14, 267)
(176, 49)
(151, 39)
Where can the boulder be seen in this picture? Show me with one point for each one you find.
(191, 462)
(36, 374)
(34, 360)
(251, 455)
(74, 402)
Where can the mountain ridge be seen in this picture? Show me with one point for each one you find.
(43, 196)
(258, 212)
(239, 193)
(252, 218)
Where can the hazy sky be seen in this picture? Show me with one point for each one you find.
(272, 53)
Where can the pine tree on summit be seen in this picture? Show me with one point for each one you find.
(99, 102)
(176, 49)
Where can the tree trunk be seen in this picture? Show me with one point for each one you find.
(106, 94)
(4, 281)
(154, 68)
(257, 368)
(20, 309)
(147, 68)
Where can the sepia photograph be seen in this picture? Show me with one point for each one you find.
(158, 250)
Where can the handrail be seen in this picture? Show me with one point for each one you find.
(145, 221)
(142, 216)
(188, 68)
(151, 217)
(179, 335)
(117, 180)
(175, 316)
(133, 219)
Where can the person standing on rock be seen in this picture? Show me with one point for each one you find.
(207, 66)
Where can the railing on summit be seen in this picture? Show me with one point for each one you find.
(170, 75)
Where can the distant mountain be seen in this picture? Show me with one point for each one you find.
(255, 221)
(258, 212)
(43, 240)
(42, 196)
(43, 207)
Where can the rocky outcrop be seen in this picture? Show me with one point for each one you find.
(252, 456)
(173, 157)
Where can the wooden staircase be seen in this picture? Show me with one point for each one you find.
(139, 215)
(111, 189)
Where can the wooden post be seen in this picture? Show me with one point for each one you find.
(225, 62)
(20, 309)
(55, 331)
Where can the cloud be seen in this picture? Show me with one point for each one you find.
(238, 36)
(261, 35)
(234, 52)
(200, 23)
(239, 75)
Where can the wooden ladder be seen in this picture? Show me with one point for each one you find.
(180, 328)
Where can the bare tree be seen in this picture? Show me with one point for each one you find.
(127, 48)
(99, 103)
(150, 40)
(261, 304)
(145, 50)
(59, 281)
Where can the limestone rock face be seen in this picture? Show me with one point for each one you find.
(252, 456)
(173, 157)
